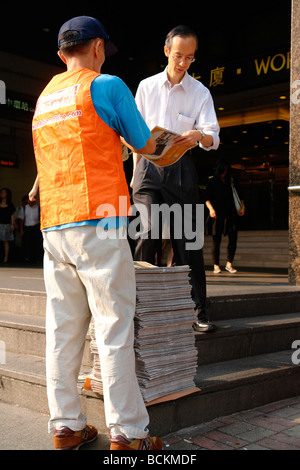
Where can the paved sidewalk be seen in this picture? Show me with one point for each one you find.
(270, 427)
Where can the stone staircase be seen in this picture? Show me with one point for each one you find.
(244, 364)
(255, 249)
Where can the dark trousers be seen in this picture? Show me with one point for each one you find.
(172, 185)
(231, 247)
(33, 244)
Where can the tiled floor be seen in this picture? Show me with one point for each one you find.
(270, 427)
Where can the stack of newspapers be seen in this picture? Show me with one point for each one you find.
(166, 355)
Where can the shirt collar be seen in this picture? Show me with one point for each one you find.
(184, 82)
(163, 78)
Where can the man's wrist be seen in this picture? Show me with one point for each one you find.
(201, 135)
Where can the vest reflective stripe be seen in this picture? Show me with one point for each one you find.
(78, 156)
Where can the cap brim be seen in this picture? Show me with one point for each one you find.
(110, 48)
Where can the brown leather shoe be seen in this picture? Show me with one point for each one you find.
(66, 439)
(149, 443)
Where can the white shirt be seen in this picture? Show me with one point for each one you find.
(184, 107)
(30, 214)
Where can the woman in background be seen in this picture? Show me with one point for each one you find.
(7, 220)
(223, 216)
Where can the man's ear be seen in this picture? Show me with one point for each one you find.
(62, 57)
(98, 45)
(166, 51)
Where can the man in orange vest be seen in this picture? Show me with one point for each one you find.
(88, 266)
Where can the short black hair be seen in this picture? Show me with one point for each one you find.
(76, 46)
(223, 164)
(182, 31)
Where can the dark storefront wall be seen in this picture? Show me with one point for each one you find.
(24, 80)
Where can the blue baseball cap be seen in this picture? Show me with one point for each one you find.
(86, 27)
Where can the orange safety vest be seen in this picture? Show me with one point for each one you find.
(78, 156)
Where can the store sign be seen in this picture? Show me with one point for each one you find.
(16, 104)
(275, 63)
(9, 160)
(246, 74)
(7, 163)
(20, 104)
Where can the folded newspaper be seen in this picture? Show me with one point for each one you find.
(167, 153)
(166, 355)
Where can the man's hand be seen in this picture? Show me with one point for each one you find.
(243, 210)
(212, 213)
(191, 139)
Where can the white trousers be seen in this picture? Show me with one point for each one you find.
(87, 275)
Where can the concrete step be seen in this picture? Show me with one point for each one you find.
(259, 245)
(234, 338)
(252, 236)
(23, 334)
(252, 260)
(25, 302)
(245, 337)
(234, 306)
(271, 234)
(26, 334)
(237, 304)
(259, 249)
(225, 388)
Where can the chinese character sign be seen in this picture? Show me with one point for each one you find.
(216, 76)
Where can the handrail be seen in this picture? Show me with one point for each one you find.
(295, 189)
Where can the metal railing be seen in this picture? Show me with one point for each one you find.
(294, 189)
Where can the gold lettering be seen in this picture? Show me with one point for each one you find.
(263, 65)
(277, 69)
(216, 76)
(288, 58)
(196, 78)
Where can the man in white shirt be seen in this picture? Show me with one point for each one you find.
(176, 101)
(29, 216)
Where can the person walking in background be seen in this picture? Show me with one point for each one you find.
(17, 234)
(7, 220)
(29, 220)
(223, 215)
(174, 100)
(88, 267)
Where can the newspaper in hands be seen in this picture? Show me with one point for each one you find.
(167, 153)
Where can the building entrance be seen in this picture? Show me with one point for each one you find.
(259, 156)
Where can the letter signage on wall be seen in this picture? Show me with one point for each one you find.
(245, 74)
